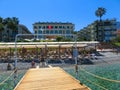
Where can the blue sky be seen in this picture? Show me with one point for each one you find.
(79, 12)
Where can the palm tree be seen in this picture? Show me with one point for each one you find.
(100, 12)
(8, 25)
(16, 21)
(1, 19)
(14, 27)
(11, 27)
(12, 24)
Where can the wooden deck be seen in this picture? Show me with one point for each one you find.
(49, 79)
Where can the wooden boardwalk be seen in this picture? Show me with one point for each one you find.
(49, 79)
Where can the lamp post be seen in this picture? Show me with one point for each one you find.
(42, 32)
(75, 54)
(15, 62)
(37, 33)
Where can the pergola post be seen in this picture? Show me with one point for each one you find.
(59, 50)
(36, 52)
(46, 50)
(10, 53)
(15, 63)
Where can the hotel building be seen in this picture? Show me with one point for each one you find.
(99, 31)
(53, 29)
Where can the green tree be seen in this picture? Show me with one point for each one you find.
(100, 12)
(67, 39)
(8, 25)
(116, 40)
(75, 32)
(11, 24)
(59, 38)
(15, 23)
(1, 27)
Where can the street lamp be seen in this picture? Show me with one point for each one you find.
(75, 54)
(38, 33)
(42, 32)
(15, 62)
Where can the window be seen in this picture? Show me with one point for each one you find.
(67, 31)
(60, 31)
(100, 33)
(68, 27)
(35, 27)
(64, 27)
(107, 33)
(43, 27)
(60, 27)
(35, 32)
(51, 32)
(47, 32)
(40, 27)
(40, 32)
(107, 38)
(56, 31)
(56, 27)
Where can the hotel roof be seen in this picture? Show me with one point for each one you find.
(53, 23)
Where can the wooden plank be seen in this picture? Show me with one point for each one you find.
(49, 79)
